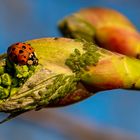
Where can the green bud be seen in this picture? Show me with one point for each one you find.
(6, 79)
(4, 93)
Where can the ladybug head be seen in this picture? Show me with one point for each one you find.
(32, 60)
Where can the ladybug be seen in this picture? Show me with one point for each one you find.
(22, 54)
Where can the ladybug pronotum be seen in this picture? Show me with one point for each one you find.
(22, 54)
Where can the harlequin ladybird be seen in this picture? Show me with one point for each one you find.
(22, 54)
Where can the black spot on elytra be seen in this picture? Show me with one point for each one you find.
(23, 47)
(24, 56)
(21, 51)
(29, 48)
(17, 43)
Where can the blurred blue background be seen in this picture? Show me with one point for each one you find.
(22, 20)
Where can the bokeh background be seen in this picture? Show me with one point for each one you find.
(107, 113)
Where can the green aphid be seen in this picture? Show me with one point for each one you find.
(21, 71)
(4, 92)
(15, 82)
(6, 79)
(32, 68)
(25, 74)
(13, 91)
